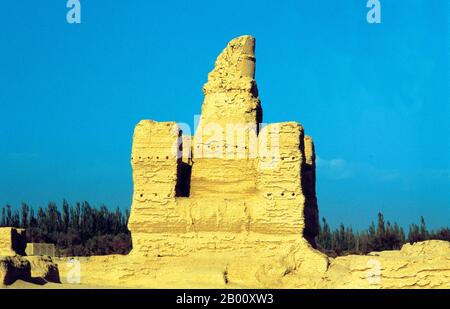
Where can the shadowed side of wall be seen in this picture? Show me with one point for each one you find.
(311, 210)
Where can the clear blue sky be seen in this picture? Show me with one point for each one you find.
(374, 97)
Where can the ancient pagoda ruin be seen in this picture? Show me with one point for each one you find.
(234, 183)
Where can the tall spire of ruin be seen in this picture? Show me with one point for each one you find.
(231, 94)
(234, 68)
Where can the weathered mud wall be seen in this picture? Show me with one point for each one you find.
(229, 180)
(12, 241)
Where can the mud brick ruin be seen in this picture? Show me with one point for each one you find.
(232, 179)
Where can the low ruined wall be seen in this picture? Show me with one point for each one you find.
(12, 241)
(39, 249)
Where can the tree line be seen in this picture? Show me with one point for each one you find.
(76, 230)
(83, 230)
(379, 237)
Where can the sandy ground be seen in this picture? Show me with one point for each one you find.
(20, 284)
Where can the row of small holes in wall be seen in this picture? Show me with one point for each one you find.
(226, 147)
(167, 158)
(157, 158)
(154, 194)
(282, 194)
(282, 159)
(264, 158)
